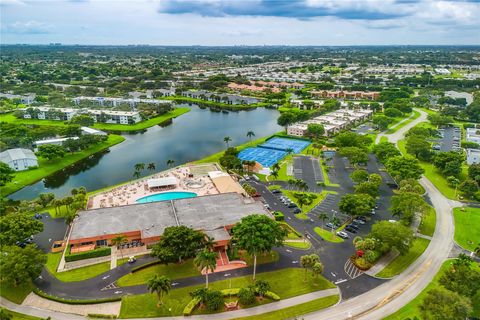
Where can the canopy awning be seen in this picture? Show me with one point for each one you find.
(162, 182)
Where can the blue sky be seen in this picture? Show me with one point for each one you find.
(241, 22)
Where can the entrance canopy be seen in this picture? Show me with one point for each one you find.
(162, 182)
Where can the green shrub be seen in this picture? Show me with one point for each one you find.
(246, 296)
(143, 266)
(102, 316)
(99, 252)
(214, 300)
(279, 216)
(230, 292)
(272, 295)
(191, 306)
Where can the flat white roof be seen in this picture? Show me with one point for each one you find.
(47, 141)
(162, 182)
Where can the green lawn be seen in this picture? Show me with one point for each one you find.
(20, 316)
(467, 227)
(102, 126)
(273, 256)
(327, 235)
(172, 271)
(307, 208)
(176, 112)
(326, 180)
(411, 309)
(298, 245)
(427, 225)
(297, 310)
(401, 262)
(46, 168)
(15, 294)
(79, 274)
(286, 283)
(413, 116)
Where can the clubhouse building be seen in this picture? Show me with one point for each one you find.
(214, 215)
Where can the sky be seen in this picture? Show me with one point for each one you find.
(241, 22)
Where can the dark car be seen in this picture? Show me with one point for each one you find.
(362, 218)
(276, 191)
(292, 205)
(354, 226)
(350, 229)
(297, 210)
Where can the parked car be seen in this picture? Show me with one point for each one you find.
(297, 210)
(353, 225)
(362, 218)
(350, 229)
(331, 225)
(276, 191)
(359, 221)
(342, 234)
(132, 259)
(292, 205)
(267, 206)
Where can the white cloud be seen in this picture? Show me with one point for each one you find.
(28, 27)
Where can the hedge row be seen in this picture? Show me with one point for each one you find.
(191, 306)
(71, 301)
(102, 316)
(272, 295)
(279, 216)
(99, 252)
(146, 265)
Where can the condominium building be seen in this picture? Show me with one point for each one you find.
(66, 114)
(332, 122)
(348, 95)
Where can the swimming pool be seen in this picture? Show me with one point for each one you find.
(166, 196)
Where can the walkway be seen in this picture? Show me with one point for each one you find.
(382, 263)
(398, 135)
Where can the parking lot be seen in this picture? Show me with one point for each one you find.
(308, 169)
(450, 139)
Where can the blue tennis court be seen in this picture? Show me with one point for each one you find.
(266, 157)
(284, 144)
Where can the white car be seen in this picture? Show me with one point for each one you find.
(342, 234)
(358, 221)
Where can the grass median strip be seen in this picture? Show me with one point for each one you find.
(401, 262)
(427, 225)
(327, 235)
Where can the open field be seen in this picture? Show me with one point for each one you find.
(15, 294)
(46, 168)
(286, 283)
(467, 227)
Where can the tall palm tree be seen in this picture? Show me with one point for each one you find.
(170, 162)
(136, 174)
(206, 260)
(336, 221)
(139, 166)
(276, 167)
(323, 217)
(160, 285)
(250, 134)
(274, 174)
(317, 268)
(151, 166)
(227, 139)
(118, 241)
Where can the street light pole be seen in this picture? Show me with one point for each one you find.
(333, 219)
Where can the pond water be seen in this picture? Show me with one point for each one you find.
(191, 136)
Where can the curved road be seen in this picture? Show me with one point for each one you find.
(390, 296)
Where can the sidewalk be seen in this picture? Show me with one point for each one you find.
(382, 263)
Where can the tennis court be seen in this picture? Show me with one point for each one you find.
(283, 144)
(266, 157)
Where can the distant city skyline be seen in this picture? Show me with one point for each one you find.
(246, 22)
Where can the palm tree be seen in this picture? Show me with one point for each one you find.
(139, 166)
(67, 201)
(151, 166)
(57, 203)
(289, 151)
(160, 285)
(306, 263)
(317, 268)
(276, 167)
(274, 174)
(206, 260)
(118, 241)
(250, 134)
(322, 216)
(335, 221)
(136, 174)
(227, 139)
(170, 162)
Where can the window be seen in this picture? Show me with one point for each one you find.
(101, 243)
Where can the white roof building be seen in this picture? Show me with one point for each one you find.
(19, 159)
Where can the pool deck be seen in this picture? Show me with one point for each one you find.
(129, 193)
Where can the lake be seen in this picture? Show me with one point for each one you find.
(190, 137)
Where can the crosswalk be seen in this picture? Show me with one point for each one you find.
(351, 270)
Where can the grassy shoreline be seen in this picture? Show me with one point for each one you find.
(176, 112)
(46, 168)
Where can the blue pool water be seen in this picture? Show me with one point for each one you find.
(266, 157)
(285, 143)
(166, 196)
